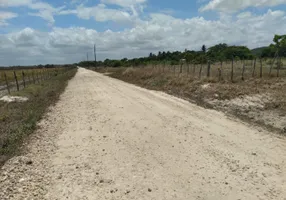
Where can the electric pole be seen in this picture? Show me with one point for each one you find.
(94, 50)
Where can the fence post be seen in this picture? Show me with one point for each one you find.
(221, 65)
(181, 68)
(260, 67)
(16, 79)
(29, 78)
(33, 76)
(43, 74)
(40, 75)
(7, 84)
(23, 76)
(37, 76)
(219, 71)
(254, 66)
(188, 68)
(243, 69)
(278, 66)
(201, 68)
(194, 70)
(231, 75)
(270, 70)
(209, 69)
(174, 69)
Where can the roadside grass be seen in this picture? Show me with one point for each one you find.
(19, 119)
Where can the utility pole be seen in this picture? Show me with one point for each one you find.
(94, 50)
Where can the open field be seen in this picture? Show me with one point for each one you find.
(258, 100)
(106, 139)
(19, 119)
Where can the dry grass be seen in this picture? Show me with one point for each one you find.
(249, 71)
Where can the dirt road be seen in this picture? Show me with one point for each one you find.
(106, 139)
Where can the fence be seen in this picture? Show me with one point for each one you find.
(15, 80)
(228, 70)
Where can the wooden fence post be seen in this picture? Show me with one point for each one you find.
(40, 75)
(16, 79)
(43, 75)
(23, 76)
(231, 75)
(194, 70)
(188, 68)
(219, 73)
(209, 69)
(200, 74)
(254, 66)
(243, 70)
(7, 84)
(174, 69)
(37, 76)
(33, 76)
(221, 65)
(278, 66)
(260, 67)
(181, 68)
(276, 56)
(29, 78)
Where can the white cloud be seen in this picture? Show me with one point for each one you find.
(4, 16)
(13, 3)
(160, 32)
(236, 5)
(123, 3)
(127, 14)
(44, 10)
(101, 13)
(135, 6)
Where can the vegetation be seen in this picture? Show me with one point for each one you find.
(216, 53)
(258, 51)
(278, 49)
(18, 120)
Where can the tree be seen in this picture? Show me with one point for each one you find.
(204, 49)
(217, 52)
(280, 44)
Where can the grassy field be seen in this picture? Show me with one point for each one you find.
(18, 120)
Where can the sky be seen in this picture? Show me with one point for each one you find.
(64, 31)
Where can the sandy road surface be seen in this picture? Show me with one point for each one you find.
(106, 139)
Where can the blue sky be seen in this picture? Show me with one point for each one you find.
(63, 31)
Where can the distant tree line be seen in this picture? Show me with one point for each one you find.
(37, 66)
(216, 53)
